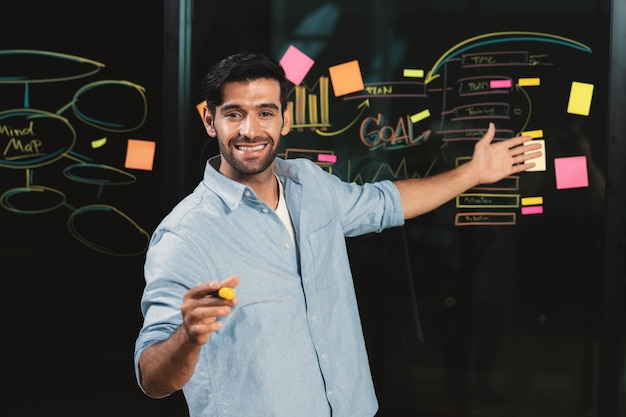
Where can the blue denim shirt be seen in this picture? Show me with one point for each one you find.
(293, 346)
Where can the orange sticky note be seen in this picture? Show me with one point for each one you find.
(200, 108)
(346, 78)
(140, 154)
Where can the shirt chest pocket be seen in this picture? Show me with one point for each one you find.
(329, 256)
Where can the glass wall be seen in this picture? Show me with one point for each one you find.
(496, 308)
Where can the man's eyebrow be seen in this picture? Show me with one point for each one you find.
(268, 106)
(227, 107)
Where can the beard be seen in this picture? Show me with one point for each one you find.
(247, 167)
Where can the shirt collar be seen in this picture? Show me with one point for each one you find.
(231, 192)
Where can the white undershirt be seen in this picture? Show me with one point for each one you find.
(283, 213)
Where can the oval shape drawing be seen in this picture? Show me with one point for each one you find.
(108, 230)
(98, 174)
(115, 106)
(21, 66)
(32, 200)
(32, 138)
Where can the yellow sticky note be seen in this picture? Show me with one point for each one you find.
(140, 154)
(532, 201)
(98, 143)
(420, 116)
(540, 162)
(413, 73)
(528, 82)
(580, 98)
(533, 133)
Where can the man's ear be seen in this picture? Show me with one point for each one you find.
(209, 121)
(286, 128)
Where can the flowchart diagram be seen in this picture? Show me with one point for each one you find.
(32, 138)
(495, 77)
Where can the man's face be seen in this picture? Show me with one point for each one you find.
(248, 126)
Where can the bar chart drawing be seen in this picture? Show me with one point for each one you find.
(309, 107)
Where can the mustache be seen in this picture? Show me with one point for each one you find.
(246, 140)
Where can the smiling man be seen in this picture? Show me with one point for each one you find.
(290, 344)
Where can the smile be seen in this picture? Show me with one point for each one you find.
(250, 148)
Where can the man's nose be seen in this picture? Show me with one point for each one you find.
(249, 127)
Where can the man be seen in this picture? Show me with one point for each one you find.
(290, 344)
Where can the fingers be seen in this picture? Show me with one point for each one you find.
(232, 282)
(490, 134)
(204, 289)
(525, 152)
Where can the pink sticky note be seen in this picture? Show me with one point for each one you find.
(296, 64)
(500, 84)
(346, 78)
(532, 210)
(571, 172)
(140, 154)
(326, 157)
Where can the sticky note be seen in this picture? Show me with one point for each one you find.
(500, 84)
(98, 143)
(296, 64)
(140, 154)
(200, 108)
(532, 210)
(580, 98)
(532, 201)
(346, 78)
(326, 157)
(420, 116)
(528, 82)
(413, 73)
(533, 133)
(571, 172)
(540, 162)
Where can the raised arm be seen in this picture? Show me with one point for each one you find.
(490, 163)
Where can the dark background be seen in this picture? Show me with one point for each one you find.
(523, 319)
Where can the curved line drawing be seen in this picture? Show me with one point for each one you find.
(11, 57)
(365, 104)
(32, 159)
(114, 214)
(108, 126)
(123, 177)
(512, 36)
(37, 192)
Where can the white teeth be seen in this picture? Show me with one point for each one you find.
(251, 148)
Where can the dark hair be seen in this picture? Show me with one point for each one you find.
(239, 67)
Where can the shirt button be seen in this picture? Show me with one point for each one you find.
(329, 393)
(264, 210)
(247, 193)
(286, 245)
